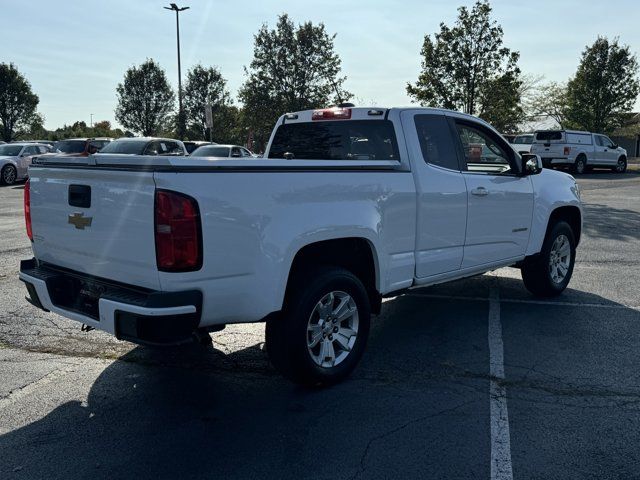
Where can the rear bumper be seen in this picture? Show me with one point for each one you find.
(550, 161)
(130, 313)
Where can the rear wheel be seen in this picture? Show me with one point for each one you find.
(549, 273)
(322, 332)
(621, 166)
(9, 175)
(580, 165)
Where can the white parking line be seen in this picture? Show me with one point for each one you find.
(500, 440)
(525, 301)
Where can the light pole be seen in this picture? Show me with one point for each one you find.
(91, 121)
(177, 9)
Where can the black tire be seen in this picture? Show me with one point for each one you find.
(537, 271)
(287, 334)
(9, 175)
(580, 165)
(621, 166)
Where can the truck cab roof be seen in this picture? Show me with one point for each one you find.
(357, 113)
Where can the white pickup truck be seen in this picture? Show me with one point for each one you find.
(348, 206)
(578, 150)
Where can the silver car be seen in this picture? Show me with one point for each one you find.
(15, 159)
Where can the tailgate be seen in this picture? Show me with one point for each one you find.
(549, 148)
(96, 221)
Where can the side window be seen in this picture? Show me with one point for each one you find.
(172, 148)
(599, 141)
(481, 152)
(235, 152)
(30, 151)
(607, 142)
(436, 142)
(245, 152)
(152, 149)
(42, 149)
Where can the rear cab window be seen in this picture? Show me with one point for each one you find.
(336, 140)
(549, 136)
(71, 146)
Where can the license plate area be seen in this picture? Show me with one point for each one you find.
(75, 294)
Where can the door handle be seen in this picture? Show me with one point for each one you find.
(480, 192)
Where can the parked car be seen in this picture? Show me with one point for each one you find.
(145, 146)
(191, 145)
(235, 151)
(15, 159)
(349, 206)
(80, 147)
(522, 143)
(49, 143)
(578, 150)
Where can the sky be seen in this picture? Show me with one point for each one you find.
(75, 52)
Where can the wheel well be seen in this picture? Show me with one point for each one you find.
(571, 215)
(353, 254)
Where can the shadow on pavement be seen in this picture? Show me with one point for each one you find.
(605, 222)
(418, 403)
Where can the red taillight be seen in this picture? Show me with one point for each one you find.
(27, 209)
(567, 150)
(335, 113)
(178, 232)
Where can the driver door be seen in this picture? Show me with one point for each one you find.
(610, 152)
(500, 202)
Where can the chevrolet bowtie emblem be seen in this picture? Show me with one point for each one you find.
(79, 221)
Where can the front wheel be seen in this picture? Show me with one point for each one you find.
(9, 175)
(621, 166)
(549, 273)
(322, 332)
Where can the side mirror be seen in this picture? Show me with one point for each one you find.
(531, 164)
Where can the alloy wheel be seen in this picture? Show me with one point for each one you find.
(332, 329)
(9, 175)
(560, 259)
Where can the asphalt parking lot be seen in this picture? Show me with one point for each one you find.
(474, 379)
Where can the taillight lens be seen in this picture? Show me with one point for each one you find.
(335, 113)
(27, 209)
(567, 150)
(178, 232)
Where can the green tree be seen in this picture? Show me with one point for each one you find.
(604, 88)
(293, 68)
(206, 86)
(18, 103)
(145, 99)
(550, 100)
(500, 103)
(467, 68)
